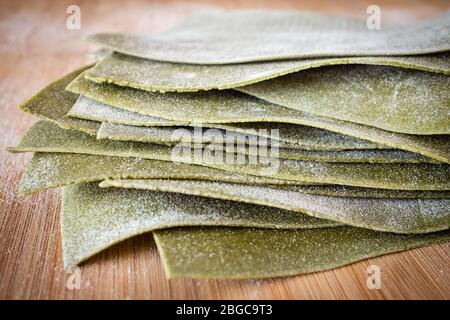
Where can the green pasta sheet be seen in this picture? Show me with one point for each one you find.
(258, 35)
(129, 71)
(178, 134)
(228, 253)
(393, 99)
(200, 135)
(294, 136)
(232, 106)
(390, 215)
(314, 189)
(88, 109)
(92, 219)
(52, 170)
(166, 135)
(53, 103)
(46, 137)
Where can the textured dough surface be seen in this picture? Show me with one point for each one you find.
(52, 170)
(51, 138)
(88, 109)
(52, 103)
(290, 135)
(232, 106)
(46, 136)
(389, 215)
(166, 135)
(93, 219)
(225, 253)
(256, 35)
(129, 71)
(393, 99)
(317, 189)
(202, 135)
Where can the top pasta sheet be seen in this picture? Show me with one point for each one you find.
(222, 37)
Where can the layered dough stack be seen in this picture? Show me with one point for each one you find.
(251, 143)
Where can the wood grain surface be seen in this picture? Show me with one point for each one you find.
(35, 48)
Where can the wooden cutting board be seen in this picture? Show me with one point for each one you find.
(36, 47)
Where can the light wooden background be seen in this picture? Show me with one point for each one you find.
(35, 48)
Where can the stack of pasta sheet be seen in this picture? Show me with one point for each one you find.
(251, 143)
